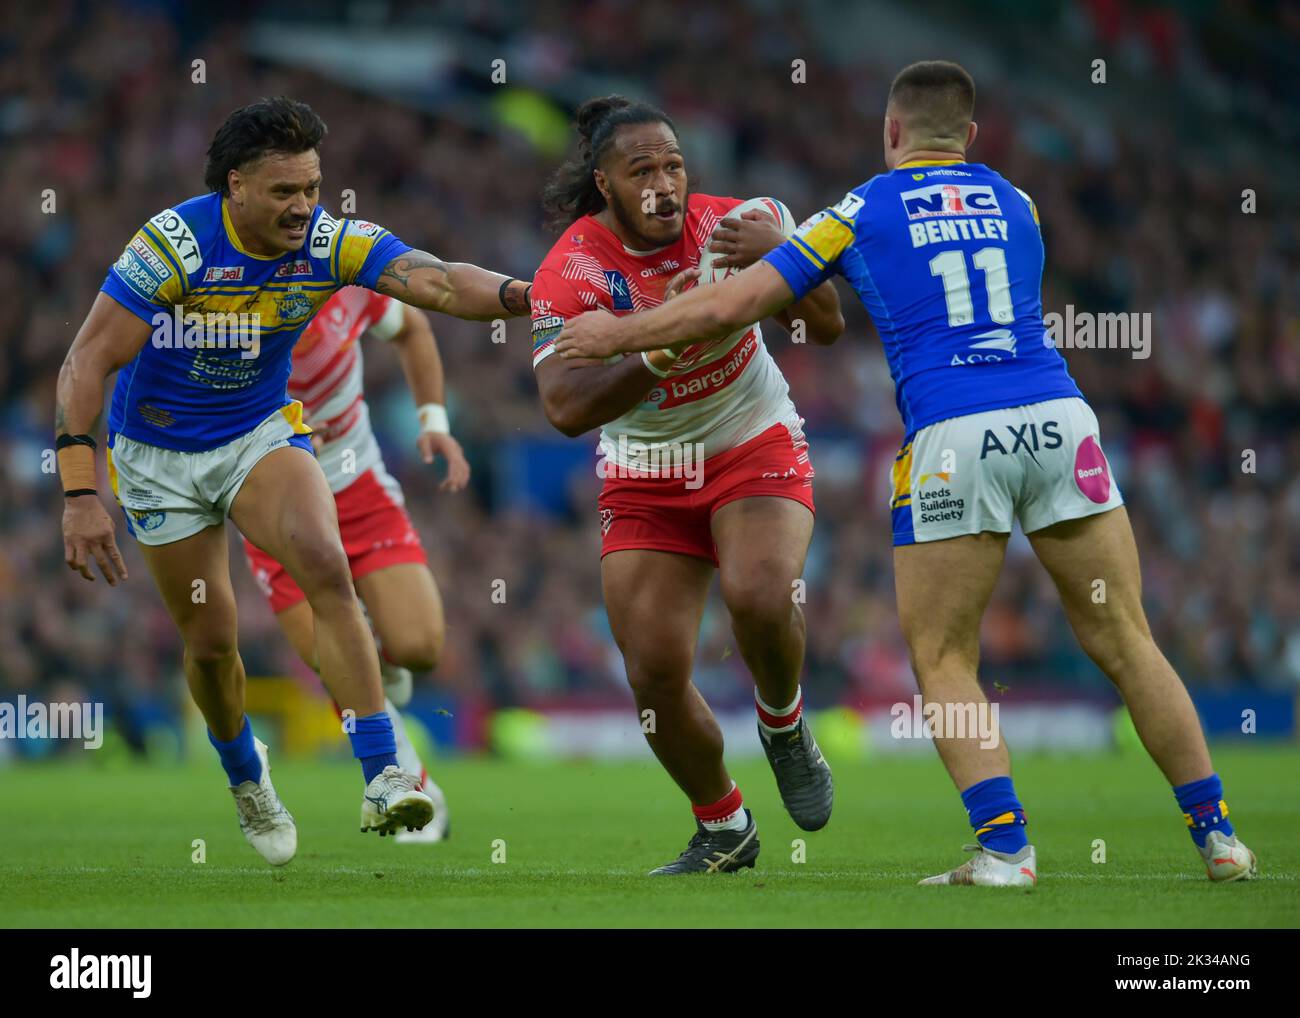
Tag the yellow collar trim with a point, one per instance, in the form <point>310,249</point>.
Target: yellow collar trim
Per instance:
<point>233,237</point>
<point>929,162</point>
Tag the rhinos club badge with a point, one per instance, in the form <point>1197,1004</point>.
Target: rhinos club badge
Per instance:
<point>148,519</point>
<point>295,305</point>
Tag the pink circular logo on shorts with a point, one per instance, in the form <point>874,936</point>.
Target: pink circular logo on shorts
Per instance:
<point>1090,471</point>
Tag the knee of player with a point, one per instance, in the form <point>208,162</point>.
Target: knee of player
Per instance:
<point>210,651</point>
<point>943,655</point>
<point>658,673</point>
<point>324,570</point>
<point>761,602</point>
<point>1119,652</point>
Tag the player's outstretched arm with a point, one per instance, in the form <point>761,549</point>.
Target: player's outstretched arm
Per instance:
<point>458,289</point>
<point>417,349</point>
<point>702,314</point>
<point>107,340</point>
<point>580,395</point>
<point>741,241</point>
<point>823,321</point>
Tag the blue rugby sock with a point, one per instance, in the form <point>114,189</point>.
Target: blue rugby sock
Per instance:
<point>996,815</point>
<point>1203,808</point>
<point>239,756</point>
<point>374,744</point>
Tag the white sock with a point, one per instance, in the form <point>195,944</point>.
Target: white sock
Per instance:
<point>736,822</point>
<point>407,758</point>
<point>397,681</point>
<point>792,708</point>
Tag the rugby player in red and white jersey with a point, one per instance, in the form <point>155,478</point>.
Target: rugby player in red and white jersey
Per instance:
<point>705,466</point>
<point>388,564</point>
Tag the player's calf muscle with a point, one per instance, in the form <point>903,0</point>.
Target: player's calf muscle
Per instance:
<point>419,651</point>
<point>299,628</point>
<point>406,609</point>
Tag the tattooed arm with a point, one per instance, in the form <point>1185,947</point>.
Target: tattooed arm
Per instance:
<point>454,288</point>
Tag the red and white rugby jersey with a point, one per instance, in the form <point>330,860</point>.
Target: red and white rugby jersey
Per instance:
<point>719,394</point>
<point>326,377</point>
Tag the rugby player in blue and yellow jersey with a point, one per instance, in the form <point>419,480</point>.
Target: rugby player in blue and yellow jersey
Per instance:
<point>948,258</point>
<point>198,317</point>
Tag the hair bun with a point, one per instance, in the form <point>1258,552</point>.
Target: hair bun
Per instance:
<point>593,111</point>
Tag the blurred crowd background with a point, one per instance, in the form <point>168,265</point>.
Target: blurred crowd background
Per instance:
<point>1139,180</point>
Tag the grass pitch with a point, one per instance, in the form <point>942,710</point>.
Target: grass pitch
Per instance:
<point>87,845</point>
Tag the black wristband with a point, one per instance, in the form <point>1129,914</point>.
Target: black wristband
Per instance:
<point>63,441</point>
<point>79,491</point>
<point>501,294</point>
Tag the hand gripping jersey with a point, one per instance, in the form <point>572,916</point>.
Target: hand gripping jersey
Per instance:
<point>225,321</point>
<point>326,378</point>
<point>948,259</point>
<point>719,395</point>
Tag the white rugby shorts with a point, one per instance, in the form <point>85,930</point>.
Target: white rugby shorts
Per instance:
<point>169,495</point>
<point>1040,464</point>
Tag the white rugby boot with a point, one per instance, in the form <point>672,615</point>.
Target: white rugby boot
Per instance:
<point>267,825</point>
<point>439,828</point>
<point>1227,859</point>
<point>409,760</point>
<point>393,800</point>
<point>992,869</point>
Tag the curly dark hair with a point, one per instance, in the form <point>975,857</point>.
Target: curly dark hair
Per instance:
<point>571,193</point>
<point>277,124</point>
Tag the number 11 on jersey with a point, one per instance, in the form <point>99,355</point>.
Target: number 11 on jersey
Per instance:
<point>992,261</point>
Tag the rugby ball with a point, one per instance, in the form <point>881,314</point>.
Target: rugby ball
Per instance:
<point>771,208</point>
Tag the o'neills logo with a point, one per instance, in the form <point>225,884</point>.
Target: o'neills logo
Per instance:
<point>670,265</point>
<point>709,379</point>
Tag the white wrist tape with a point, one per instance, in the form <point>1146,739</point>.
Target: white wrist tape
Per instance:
<point>433,417</point>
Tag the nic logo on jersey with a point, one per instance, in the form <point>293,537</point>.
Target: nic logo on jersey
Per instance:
<point>950,200</point>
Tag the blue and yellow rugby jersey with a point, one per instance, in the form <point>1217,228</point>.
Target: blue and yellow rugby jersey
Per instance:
<point>207,379</point>
<point>948,259</point>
